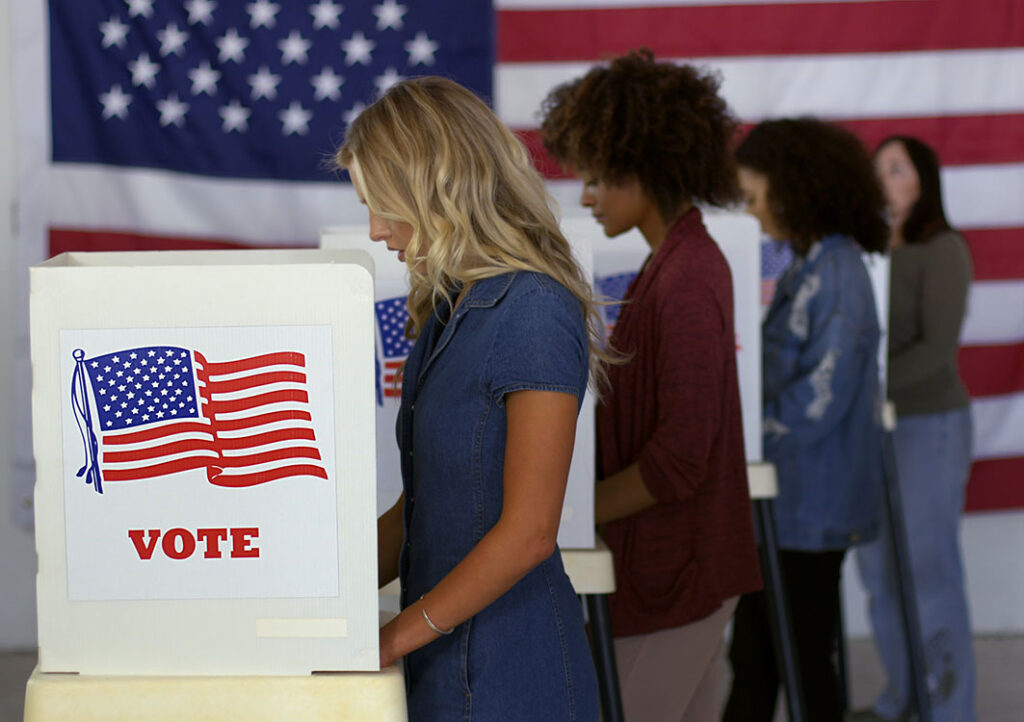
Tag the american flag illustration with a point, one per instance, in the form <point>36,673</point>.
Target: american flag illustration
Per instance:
<point>160,410</point>
<point>392,315</point>
<point>613,288</point>
<point>775,258</point>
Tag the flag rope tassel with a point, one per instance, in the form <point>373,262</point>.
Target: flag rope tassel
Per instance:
<point>80,404</point>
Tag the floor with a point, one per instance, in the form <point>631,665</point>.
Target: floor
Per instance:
<point>1000,663</point>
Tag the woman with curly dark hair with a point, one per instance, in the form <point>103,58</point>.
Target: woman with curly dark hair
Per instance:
<point>812,184</point>
<point>650,140</point>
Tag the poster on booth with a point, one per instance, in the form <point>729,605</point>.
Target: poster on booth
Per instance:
<point>576,530</point>
<point>205,469</point>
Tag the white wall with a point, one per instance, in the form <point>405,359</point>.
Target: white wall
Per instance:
<point>17,546</point>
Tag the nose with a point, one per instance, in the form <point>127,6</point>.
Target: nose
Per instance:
<point>586,197</point>
<point>378,228</point>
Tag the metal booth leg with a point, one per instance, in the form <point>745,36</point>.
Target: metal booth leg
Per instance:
<point>604,657</point>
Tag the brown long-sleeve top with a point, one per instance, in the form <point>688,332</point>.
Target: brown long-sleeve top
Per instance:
<point>927,303</point>
<point>675,410</point>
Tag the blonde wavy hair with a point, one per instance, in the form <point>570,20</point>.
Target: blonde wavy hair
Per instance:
<point>431,154</point>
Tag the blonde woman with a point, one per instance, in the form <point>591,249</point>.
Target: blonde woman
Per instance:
<point>506,337</point>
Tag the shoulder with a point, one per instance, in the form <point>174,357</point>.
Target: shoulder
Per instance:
<point>530,289</point>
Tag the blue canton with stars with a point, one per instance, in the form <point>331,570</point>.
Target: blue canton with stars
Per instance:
<point>392,315</point>
<point>244,88</point>
<point>143,386</point>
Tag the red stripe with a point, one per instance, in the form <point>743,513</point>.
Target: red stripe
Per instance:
<point>269,437</point>
<point>958,140</point>
<point>393,393</point>
<point>148,472</point>
<point>298,452</point>
<point>262,477</point>
<point>996,484</point>
<point>998,253</point>
<point>149,434</point>
<point>155,452</point>
<point>275,397</point>
<point>777,29</point>
<point>290,358</point>
<point>68,239</point>
<point>249,382</point>
<point>992,370</point>
<point>250,422</point>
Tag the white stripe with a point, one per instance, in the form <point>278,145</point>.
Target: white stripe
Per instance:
<point>266,428</point>
<point>998,421</point>
<point>863,85</point>
<point>273,212</point>
<point>263,409</point>
<point>254,449</point>
<point>153,461</point>
<point>256,391</point>
<point>995,315</point>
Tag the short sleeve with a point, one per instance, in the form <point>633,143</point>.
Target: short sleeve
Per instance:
<point>541,343</point>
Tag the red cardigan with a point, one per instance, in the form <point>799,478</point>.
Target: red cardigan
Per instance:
<point>675,409</point>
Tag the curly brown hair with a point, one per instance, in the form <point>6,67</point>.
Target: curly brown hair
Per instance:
<point>820,181</point>
<point>661,123</point>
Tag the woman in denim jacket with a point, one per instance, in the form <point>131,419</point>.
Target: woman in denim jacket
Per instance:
<point>506,334</point>
<point>813,185</point>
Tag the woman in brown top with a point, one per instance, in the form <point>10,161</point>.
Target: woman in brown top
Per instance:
<point>931,272</point>
<point>650,140</point>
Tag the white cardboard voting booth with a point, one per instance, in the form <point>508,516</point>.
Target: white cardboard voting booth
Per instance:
<point>576,530</point>
<point>205,469</point>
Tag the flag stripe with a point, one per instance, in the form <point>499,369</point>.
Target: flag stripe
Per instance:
<point>998,421</point>
<point>958,140</point>
<point>256,362</point>
<point>995,313</point>
<point>296,452</point>
<point>268,437</point>
<point>996,484</point>
<point>157,432</point>
<point>868,85</point>
<point>136,473</point>
<point>776,29</point>
<point>992,370</point>
<point>63,240</point>
<point>275,397</point>
<point>998,253</point>
<point>155,452</point>
<point>263,379</point>
<point>262,420</point>
<point>261,477</point>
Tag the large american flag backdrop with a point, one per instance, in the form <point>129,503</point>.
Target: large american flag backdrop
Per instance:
<point>199,124</point>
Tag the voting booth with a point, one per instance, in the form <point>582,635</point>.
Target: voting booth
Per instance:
<point>204,436</point>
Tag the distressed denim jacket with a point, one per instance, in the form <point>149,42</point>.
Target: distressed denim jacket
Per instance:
<point>822,425</point>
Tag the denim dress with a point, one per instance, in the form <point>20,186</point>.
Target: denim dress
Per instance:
<point>525,656</point>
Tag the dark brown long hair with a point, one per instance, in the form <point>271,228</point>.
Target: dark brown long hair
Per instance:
<point>927,216</point>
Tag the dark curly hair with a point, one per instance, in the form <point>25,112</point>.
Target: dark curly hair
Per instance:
<point>820,181</point>
<point>927,215</point>
<point>660,123</point>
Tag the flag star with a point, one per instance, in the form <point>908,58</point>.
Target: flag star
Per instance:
<point>124,404</point>
<point>204,79</point>
<point>116,359</point>
<point>235,117</point>
<point>200,11</point>
<point>152,352</point>
<point>159,414</point>
<point>115,103</point>
<point>120,373</point>
<point>421,50</point>
<point>114,32</point>
<point>232,47</point>
<point>99,378</point>
<point>357,49</point>
<point>106,407</point>
<point>122,387</point>
<point>389,15</point>
<point>295,119</point>
<point>385,81</point>
<point>145,417</point>
<point>294,48</point>
<point>328,84</point>
<point>95,364</point>
<point>117,414</point>
<point>140,7</point>
<point>172,111</point>
<point>109,423</point>
<point>174,411</point>
<point>135,410</point>
<point>264,84</point>
<point>177,361</point>
<point>131,394</point>
<point>172,40</point>
<point>128,420</point>
<point>325,14</point>
<point>143,70</point>
<point>103,392</point>
<point>133,356</point>
<point>352,113</point>
<point>127,364</point>
<point>262,13</point>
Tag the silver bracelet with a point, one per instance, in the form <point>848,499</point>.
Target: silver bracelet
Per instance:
<point>431,624</point>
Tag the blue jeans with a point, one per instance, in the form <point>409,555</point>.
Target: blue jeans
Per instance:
<point>933,460</point>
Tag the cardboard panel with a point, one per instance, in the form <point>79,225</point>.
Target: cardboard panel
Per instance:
<point>203,441</point>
